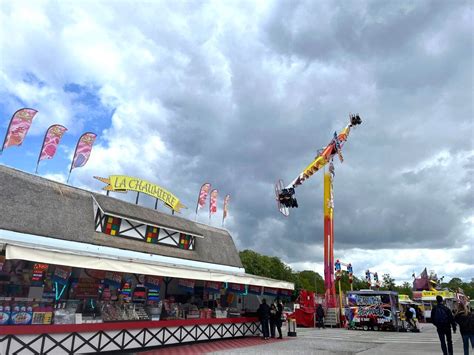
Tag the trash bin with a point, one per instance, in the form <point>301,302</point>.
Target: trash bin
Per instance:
<point>291,327</point>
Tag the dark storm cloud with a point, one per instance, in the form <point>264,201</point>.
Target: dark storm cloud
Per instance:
<point>371,58</point>
<point>246,100</point>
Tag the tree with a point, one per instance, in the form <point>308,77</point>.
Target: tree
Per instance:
<point>388,282</point>
<point>405,289</point>
<point>266,266</point>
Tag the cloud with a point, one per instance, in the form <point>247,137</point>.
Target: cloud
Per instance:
<point>242,94</point>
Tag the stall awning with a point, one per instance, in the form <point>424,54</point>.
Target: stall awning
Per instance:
<point>114,260</point>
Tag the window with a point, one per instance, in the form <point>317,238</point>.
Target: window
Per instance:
<point>111,225</point>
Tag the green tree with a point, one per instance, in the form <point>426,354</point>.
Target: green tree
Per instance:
<point>388,282</point>
<point>266,266</point>
<point>405,289</point>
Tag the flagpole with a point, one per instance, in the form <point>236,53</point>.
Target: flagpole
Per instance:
<point>41,150</point>
<point>72,162</point>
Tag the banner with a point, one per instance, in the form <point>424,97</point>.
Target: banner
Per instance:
<point>212,287</point>
<point>205,188</point>
<point>255,290</point>
<point>285,293</point>
<point>18,127</point>
<point>187,285</point>
<point>50,142</point>
<point>121,183</point>
<point>213,202</point>
<point>153,282</point>
<point>270,291</point>
<point>38,274</point>
<point>226,206</point>
<point>83,150</point>
<point>235,288</point>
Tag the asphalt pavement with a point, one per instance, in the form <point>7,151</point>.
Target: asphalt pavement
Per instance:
<point>345,342</point>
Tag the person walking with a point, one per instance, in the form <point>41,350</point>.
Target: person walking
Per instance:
<point>442,318</point>
<point>273,319</point>
<point>264,316</point>
<point>320,316</point>
<point>465,319</point>
<point>279,320</point>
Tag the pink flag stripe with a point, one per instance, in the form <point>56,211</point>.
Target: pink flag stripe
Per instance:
<point>213,202</point>
<point>51,141</point>
<point>18,127</point>
<point>203,194</point>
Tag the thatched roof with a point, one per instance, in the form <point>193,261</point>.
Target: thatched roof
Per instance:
<point>35,205</point>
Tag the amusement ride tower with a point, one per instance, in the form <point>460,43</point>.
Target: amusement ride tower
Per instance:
<point>286,200</point>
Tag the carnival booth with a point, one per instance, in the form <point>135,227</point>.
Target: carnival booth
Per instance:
<point>428,300</point>
<point>373,310</point>
<point>81,272</point>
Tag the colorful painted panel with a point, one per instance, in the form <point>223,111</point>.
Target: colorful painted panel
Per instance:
<point>111,225</point>
<point>184,241</point>
<point>152,234</point>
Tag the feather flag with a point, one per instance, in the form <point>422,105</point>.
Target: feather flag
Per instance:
<point>203,195</point>
<point>83,151</point>
<point>213,202</point>
<point>18,127</point>
<point>226,206</point>
<point>50,143</point>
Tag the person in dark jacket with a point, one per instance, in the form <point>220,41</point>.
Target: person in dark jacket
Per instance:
<point>320,316</point>
<point>279,307</point>
<point>442,318</point>
<point>264,316</point>
<point>465,319</point>
<point>273,319</point>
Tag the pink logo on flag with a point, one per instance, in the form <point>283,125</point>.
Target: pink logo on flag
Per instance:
<point>226,206</point>
<point>51,141</point>
<point>203,194</point>
<point>19,126</point>
<point>213,203</point>
<point>83,150</point>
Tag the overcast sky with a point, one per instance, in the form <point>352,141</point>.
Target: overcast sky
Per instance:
<point>242,93</point>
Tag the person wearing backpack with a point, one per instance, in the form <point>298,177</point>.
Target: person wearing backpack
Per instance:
<point>442,318</point>
<point>465,319</point>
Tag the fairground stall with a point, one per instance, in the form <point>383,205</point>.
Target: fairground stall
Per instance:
<point>81,272</point>
<point>428,300</point>
<point>372,310</point>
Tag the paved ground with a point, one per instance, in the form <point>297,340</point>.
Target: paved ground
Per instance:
<point>345,342</point>
<point>324,342</point>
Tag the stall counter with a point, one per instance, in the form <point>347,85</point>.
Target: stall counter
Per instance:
<point>119,336</point>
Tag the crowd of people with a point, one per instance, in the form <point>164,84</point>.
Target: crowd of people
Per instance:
<point>271,318</point>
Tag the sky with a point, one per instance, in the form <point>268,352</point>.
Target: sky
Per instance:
<point>243,93</point>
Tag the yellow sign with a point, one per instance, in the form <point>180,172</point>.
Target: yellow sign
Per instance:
<point>444,294</point>
<point>403,298</point>
<point>121,183</point>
